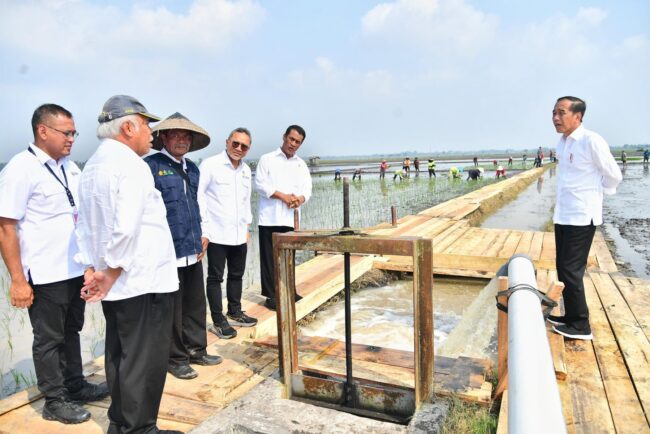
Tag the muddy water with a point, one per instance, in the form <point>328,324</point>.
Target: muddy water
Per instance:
<point>384,316</point>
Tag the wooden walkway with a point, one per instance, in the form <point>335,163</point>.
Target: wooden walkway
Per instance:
<point>604,384</point>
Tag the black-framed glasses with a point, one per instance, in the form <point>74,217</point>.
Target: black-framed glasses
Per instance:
<point>69,134</point>
<point>236,145</point>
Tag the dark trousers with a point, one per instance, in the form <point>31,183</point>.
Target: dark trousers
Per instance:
<point>267,268</point>
<point>138,331</point>
<point>432,172</point>
<point>57,317</point>
<point>218,256</point>
<point>572,245</point>
<point>188,327</point>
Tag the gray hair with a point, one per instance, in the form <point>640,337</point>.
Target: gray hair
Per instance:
<point>112,129</point>
<point>241,130</point>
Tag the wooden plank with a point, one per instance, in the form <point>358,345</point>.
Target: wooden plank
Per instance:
<point>497,245</point>
<point>460,245</point>
<point>591,412</point>
<point>502,424</point>
<point>442,241</point>
<point>510,244</point>
<point>623,402</point>
<point>637,296</point>
<point>556,343</point>
<point>631,339</point>
<point>567,406</point>
<point>524,242</point>
<point>536,246</point>
<point>548,247</point>
<point>600,255</point>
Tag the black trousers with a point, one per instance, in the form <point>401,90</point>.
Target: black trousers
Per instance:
<point>267,267</point>
<point>572,245</point>
<point>188,327</point>
<point>57,317</point>
<point>138,331</point>
<point>432,172</point>
<point>218,256</point>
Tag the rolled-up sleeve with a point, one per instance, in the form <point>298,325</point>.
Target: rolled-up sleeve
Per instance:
<point>263,182</point>
<point>606,164</point>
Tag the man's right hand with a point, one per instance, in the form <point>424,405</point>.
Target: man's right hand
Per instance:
<point>22,294</point>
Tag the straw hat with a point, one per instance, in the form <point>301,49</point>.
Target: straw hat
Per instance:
<point>200,137</point>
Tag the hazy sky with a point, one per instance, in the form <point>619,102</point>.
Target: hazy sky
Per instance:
<point>360,76</point>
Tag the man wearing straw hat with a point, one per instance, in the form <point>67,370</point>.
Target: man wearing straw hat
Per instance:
<point>127,247</point>
<point>177,178</point>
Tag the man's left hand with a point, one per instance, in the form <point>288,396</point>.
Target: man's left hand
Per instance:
<point>204,246</point>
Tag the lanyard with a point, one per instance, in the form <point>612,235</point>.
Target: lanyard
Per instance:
<point>65,186</point>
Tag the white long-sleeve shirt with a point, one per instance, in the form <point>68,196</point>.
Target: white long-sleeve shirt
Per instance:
<point>32,196</point>
<point>225,200</point>
<point>276,172</point>
<point>587,169</point>
<point>122,223</point>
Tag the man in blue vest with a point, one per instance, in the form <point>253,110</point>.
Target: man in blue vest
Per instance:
<point>177,178</point>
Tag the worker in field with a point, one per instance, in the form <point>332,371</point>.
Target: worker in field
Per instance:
<point>431,167</point>
<point>524,157</point>
<point>475,160</point>
<point>587,170</point>
<point>399,173</point>
<point>357,174</point>
<point>454,173</point>
<point>337,174</point>
<point>416,165</point>
<point>624,157</point>
<point>510,161</point>
<point>383,167</point>
<point>646,156</point>
<point>501,172</point>
<point>39,203</point>
<point>475,174</point>
<point>406,166</point>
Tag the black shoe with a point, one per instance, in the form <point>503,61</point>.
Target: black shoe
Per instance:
<point>205,360</point>
<point>183,372</point>
<point>222,329</point>
<point>242,320</point>
<point>574,333</point>
<point>65,412</point>
<point>270,303</point>
<point>88,392</point>
<point>556,320</point>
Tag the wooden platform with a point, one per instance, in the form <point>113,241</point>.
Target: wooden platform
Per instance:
<point>604,384</point>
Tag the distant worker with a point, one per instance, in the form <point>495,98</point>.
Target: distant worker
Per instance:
<point>475,174</point>
<point>431,167</point>
<point>416,165</point>
<point>501,172</point>
<point>383,167</point>
<point>624,157</point>
<point>399,173</point>
<point>590,171</point>
<point>475,159</point>
<point>495,163</point>
<point>551,156</point>
<point>510,161</point>
<point>357,174</point>
<point>646,156</point>
<point>523,160</point>
<point>454,173</point>
<point>406,166</point>
<point>337,174</point>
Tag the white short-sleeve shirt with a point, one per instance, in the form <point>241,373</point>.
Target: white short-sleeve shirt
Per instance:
<point>30,194</point>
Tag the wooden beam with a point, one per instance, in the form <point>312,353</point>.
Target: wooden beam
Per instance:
<point>502,341</point>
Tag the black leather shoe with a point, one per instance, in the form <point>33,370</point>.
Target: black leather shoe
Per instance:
<point>270,303</point>
<point>556,320</point>
<point>222,329</point>
<point>183,372</point>
<point>206,360</point>
<point>65,412</point>
<point>88,392</point>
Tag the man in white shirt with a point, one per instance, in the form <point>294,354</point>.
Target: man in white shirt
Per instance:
<point>225,201</point>
<point>177,179</point>
<point>283,182</point>
<point>587,169</point>
<point>38,212</point>
<point>125,241</point>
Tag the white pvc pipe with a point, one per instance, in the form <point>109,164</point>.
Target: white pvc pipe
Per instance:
<point>533,396</point>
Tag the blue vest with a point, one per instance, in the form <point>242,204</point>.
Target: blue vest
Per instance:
<point>182,206</point>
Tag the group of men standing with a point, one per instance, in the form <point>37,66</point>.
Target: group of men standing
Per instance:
<point>132,232</point>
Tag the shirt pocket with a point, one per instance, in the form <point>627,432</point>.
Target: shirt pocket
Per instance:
<point>50,198</point>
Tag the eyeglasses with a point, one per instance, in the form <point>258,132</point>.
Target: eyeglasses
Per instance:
<point>236,145</point>
<point>69,134</point>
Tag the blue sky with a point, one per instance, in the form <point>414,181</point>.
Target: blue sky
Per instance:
<point>362,77</point>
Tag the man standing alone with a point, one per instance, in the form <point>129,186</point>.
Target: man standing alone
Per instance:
<point>283,182</point>
<point>587,169</point>
<point>177,179</point>
<point>38,214</point>
<point>225,200</point>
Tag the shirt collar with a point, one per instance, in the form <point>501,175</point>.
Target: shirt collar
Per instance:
<point>578,133</point>
<point>225,160</point>
<point>181,161</point>
<point>279,152</point>
<point>43,157</point>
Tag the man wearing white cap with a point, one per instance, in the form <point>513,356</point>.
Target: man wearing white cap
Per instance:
<point>177,179</point>
<point>126,244</point>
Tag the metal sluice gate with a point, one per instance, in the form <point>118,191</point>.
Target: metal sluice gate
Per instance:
<point>354,395</point>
